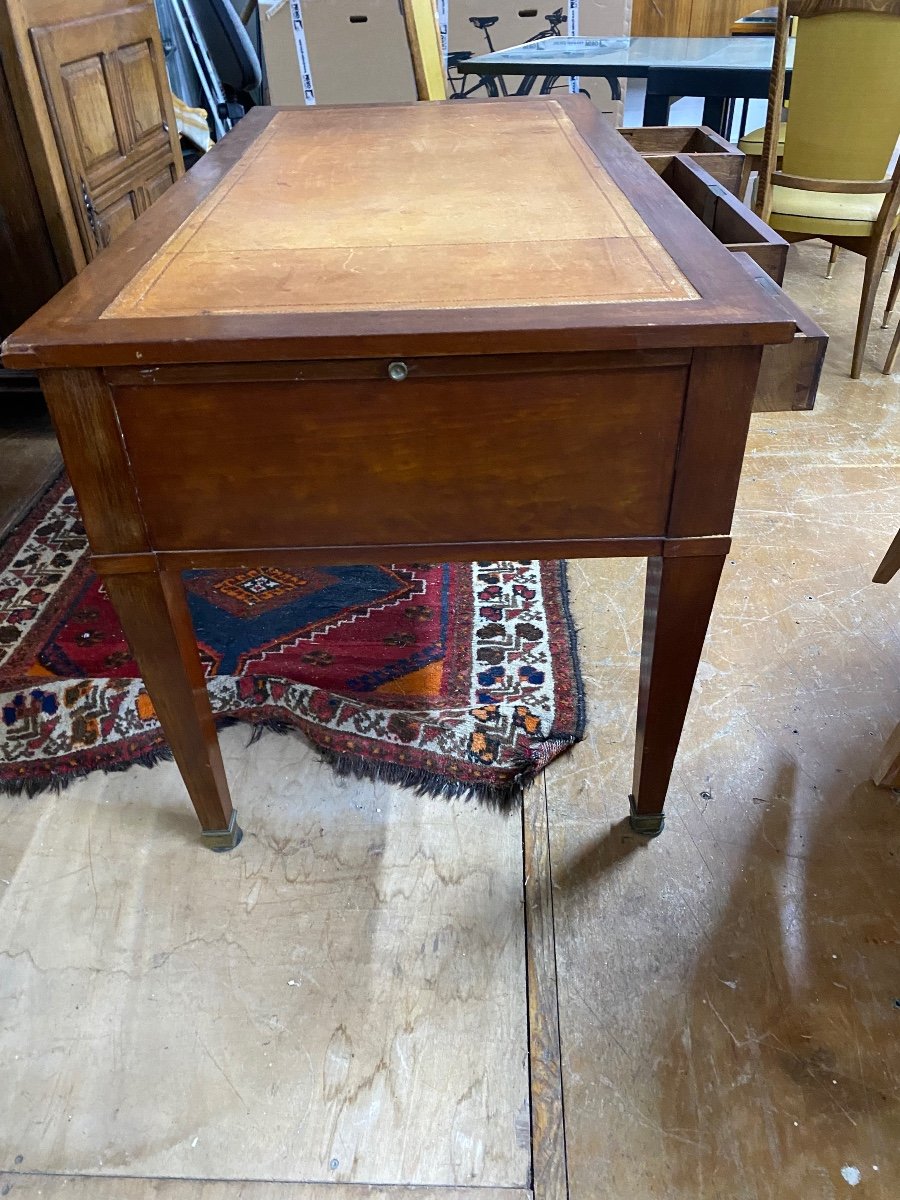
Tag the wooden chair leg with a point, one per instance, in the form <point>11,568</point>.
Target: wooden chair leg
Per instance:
<point>892,296</point>
<point>833,257</point>
<point>892,241</point>
<point>887,772</point>
<point>871,279</point>
<point>677,607</point>
<point>892,353</point>
<point>154,614</point>
<point>890,564</point>
<point>748,166</point>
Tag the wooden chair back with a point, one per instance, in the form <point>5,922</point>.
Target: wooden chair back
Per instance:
<point>424,37</point>
<point>845,98</point>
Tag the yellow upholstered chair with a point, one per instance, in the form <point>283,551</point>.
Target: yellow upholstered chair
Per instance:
<point>751,146</point>
<point>840,139</point>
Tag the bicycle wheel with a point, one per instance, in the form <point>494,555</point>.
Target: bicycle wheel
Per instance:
<point>486,82</point>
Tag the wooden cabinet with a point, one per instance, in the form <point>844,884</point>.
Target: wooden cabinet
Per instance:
<point>109,106</point>
<point>29,275</point>
<point>89,104</point>
<point>688,18</point>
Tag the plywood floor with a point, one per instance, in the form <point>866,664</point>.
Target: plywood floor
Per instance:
<point>341,1003</point>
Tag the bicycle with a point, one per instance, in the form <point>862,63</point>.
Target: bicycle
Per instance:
<point>495,85</point>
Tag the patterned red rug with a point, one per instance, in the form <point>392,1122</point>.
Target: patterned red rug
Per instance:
<point>457,679</point>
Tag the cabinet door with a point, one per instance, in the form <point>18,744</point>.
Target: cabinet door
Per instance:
<point>107,95</point>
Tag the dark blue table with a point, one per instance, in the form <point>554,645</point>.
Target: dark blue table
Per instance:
<point>718,69</point>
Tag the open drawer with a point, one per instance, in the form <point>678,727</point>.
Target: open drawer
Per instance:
<point>789,374</point>
<point>704,147</point>
<point>732,222</point>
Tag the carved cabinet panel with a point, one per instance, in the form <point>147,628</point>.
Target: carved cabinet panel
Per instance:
<point>106,93</point>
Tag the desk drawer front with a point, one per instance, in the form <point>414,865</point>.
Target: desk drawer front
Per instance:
<point>362,461</point>
<point>788,374</point>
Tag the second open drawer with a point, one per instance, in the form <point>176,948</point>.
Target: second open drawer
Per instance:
<point>705,147</point>
<point>735,225</point>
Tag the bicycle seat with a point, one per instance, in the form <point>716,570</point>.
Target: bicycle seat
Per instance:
<point>484,22</point>
<point>556,18</point>
<point>458,56</point>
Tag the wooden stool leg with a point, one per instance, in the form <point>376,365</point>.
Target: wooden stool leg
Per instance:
<point>832,260</point>
<point>154,614</point>
<point>677,606</point>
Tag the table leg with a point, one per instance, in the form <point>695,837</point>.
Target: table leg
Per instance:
<point>678,603</point>
<point>656,108</point>
<point>153,609</point>
<point>715,109</point>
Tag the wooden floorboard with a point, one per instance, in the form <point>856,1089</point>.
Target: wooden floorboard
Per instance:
<point>94,1187</point>
<point>548,1138</point>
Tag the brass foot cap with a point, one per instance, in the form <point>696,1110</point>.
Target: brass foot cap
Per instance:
<point>648,824</point>
<point>221,840</point>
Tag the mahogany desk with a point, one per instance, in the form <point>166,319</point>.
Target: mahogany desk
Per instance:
<point>297,352</point>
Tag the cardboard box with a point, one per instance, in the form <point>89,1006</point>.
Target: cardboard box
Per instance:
<point>357,49</point>
<point>358,54</point>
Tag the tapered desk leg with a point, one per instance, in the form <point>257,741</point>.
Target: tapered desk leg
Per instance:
<point>154,613</point>
<point>677,607</point>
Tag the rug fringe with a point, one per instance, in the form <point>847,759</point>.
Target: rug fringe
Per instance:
<point>574,636</point>
<point>504,797</point>
<point>55,784</point>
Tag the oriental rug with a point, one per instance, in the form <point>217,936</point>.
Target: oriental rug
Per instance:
<point>456,679</point>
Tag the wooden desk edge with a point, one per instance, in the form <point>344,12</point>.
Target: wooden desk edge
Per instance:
<point>731,310</point>
<point>286,556</point>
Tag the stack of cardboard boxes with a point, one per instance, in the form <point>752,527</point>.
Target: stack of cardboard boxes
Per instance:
<point>355,51</point>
